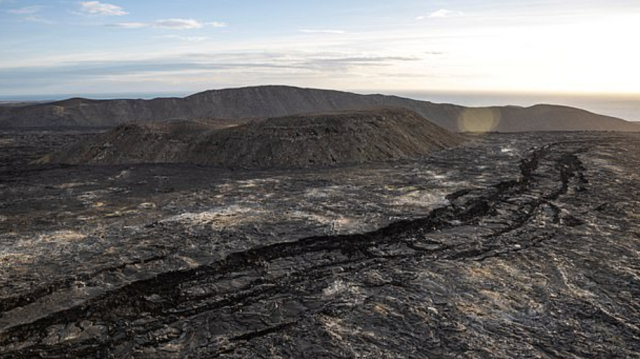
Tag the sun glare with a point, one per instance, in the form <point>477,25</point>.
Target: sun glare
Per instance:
<point>599,56</point>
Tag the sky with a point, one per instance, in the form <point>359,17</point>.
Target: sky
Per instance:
<point>170,46</point>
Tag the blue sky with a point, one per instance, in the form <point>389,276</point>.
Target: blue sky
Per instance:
<point>161,46</point>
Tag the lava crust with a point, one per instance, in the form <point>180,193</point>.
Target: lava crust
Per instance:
<point>287,142</point>
<point>522,246</point>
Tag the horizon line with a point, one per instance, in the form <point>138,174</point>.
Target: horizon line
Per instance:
<point>391,92</point>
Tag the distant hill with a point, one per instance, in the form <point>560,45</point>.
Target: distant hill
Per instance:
<point>285,142</point>
<point>243,104</point>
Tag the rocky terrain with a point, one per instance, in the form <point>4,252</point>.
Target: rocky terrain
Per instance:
<point>285,142</point>
<point>508,246</point>
<point>243,104</point>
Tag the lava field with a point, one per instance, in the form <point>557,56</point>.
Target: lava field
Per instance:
<point>508,246</point>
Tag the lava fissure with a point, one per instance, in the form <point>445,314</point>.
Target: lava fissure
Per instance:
<point>166,298</point>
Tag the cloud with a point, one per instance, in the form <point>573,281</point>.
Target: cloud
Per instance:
<point>26,10</point>
<point>197,68</point>
<point>130,25</point>
<point>30,13</point>
<point>175,24</point>
<point>440,14</point>
<point>344,63</point>
<point>98,8</point>
<point>186,38</point>
<point>39,19</point>
<point>179,24</point>
<point>217,24</point>
<point>196,63</point>
<point>309,31</point>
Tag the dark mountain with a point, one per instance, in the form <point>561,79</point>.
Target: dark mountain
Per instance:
<point>244,104</point>
<point>285,142</point>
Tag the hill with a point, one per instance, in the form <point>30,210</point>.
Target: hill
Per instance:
<point>284,142</point>
<point>244,104</point>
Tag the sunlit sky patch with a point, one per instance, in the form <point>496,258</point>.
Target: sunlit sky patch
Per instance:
<point>572,46</point>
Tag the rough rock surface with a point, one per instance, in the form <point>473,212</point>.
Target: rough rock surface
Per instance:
<point>287,142</point>
<point>243,104</point>
<point>510,246</point>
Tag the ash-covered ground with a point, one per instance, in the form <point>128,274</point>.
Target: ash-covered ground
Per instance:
<point>509,246</point>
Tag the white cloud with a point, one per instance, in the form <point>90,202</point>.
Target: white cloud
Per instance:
<point>175,24</point>
<point>309,31</point>
<point>440,14</point>
<point>31,13</point>
<point>179,24</point>
<point>217,24</point>
<point>130,25</point>
<point>26,10</point>
<point>186,38</point>
<point>98,8</point>
<point>39,19</point>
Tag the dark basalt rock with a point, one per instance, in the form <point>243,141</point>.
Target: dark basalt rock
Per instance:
<point>529,249</point>
<point>288,142</point>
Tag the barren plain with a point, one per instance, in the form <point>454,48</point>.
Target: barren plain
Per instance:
<point>508,246</point>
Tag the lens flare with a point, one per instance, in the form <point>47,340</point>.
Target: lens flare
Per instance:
<point>479,120</point>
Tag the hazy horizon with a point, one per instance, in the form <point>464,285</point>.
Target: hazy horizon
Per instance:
<point>68,47</point>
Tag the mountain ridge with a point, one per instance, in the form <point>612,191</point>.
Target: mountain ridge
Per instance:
<point>247,103</point>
